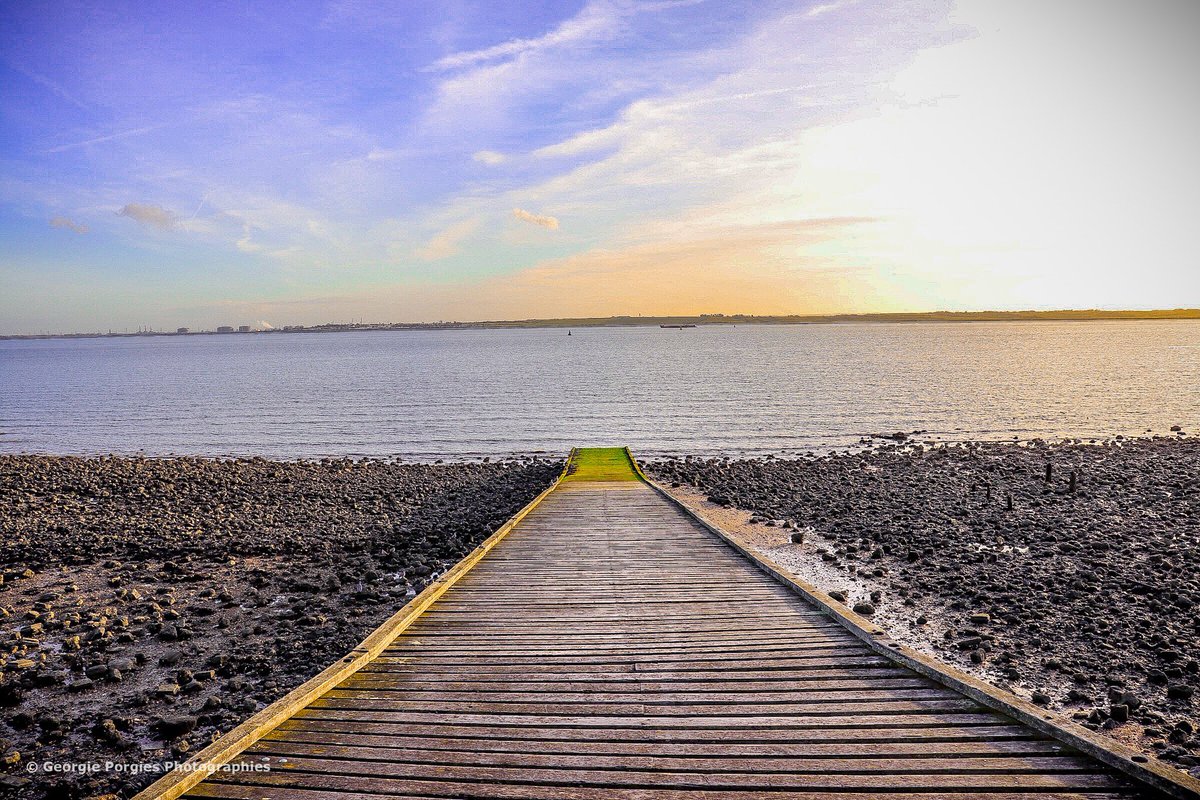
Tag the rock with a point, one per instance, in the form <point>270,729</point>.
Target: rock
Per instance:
<point>106,730</point>
<point>980,619</point>
<point>1119,712</point>
<point>174,726</point>
<point>1180,691</point>
<point>80,685</point>
<point>838,595</point>
<point>1040,698</point>
<point>865,609</point>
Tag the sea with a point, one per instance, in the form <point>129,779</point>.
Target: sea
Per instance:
<point>744,390</point>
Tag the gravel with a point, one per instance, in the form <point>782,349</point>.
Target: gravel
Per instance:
<point>149,605</point>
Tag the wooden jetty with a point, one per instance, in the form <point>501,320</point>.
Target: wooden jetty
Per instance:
<point>608,644</point>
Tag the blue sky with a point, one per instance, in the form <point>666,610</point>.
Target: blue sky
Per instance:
<point>201,164</point>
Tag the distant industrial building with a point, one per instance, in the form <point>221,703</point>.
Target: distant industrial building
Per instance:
<point>243,329</point>
<point>225,329</point>
<point>181,330</point>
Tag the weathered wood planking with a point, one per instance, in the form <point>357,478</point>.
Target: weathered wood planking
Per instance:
<point>611,647</point>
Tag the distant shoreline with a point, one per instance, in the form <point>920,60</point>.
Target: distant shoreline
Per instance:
<point>1088,315</point>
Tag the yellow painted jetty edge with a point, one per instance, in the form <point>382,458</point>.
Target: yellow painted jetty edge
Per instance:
<point>229,746</point>
<point>1145,769</point>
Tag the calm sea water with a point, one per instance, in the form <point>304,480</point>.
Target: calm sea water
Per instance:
<point>714,390</point>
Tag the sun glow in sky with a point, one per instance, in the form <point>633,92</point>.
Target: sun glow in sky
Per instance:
<point>205,164</point>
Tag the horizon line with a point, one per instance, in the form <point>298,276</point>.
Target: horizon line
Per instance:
<point>629,320</point>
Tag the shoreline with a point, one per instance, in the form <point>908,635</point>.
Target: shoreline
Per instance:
<point>1001,595</point>
<point>852,444</point>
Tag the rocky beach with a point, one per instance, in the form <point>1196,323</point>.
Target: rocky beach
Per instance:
<point>148,605</point>
<point>1068,573</point>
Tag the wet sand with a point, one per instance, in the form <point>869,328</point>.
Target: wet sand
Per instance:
<point>1084,601</point>
<point>148,605</point>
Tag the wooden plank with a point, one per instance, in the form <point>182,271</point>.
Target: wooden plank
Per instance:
<point>795,721</point>
<point>474,791</point>
<point>986,731</point>
<point>911,764</point>
<point>358,775</point>
<point>691,749</point>
<point>657,689</point>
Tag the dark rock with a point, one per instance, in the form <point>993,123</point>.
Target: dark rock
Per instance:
<point>1180,691</point>
<point>174,726</point>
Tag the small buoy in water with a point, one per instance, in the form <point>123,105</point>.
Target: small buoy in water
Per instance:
<point>568,333</point>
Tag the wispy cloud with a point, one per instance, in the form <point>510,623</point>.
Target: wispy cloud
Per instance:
<point>596,20</point>
<point>53,86</point>
<point>146,214</point>
<point>489,157</point>
<point>448,242</point>
<point>106,138</point>
<point>68,224</point>
<point>540,220</point>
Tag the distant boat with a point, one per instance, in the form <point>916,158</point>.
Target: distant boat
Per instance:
<point>677,327</point>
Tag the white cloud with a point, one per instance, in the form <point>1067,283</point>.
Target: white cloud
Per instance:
<point>490,157</point>
<point>597,20</point>
<point>68,224</point>
<point>447,242</point>
<point>382,154</point>
<point>154,216</point>
<point>246,243</point>
<point>536,219</point>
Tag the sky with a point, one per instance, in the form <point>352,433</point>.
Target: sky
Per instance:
<point>179,164</point>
